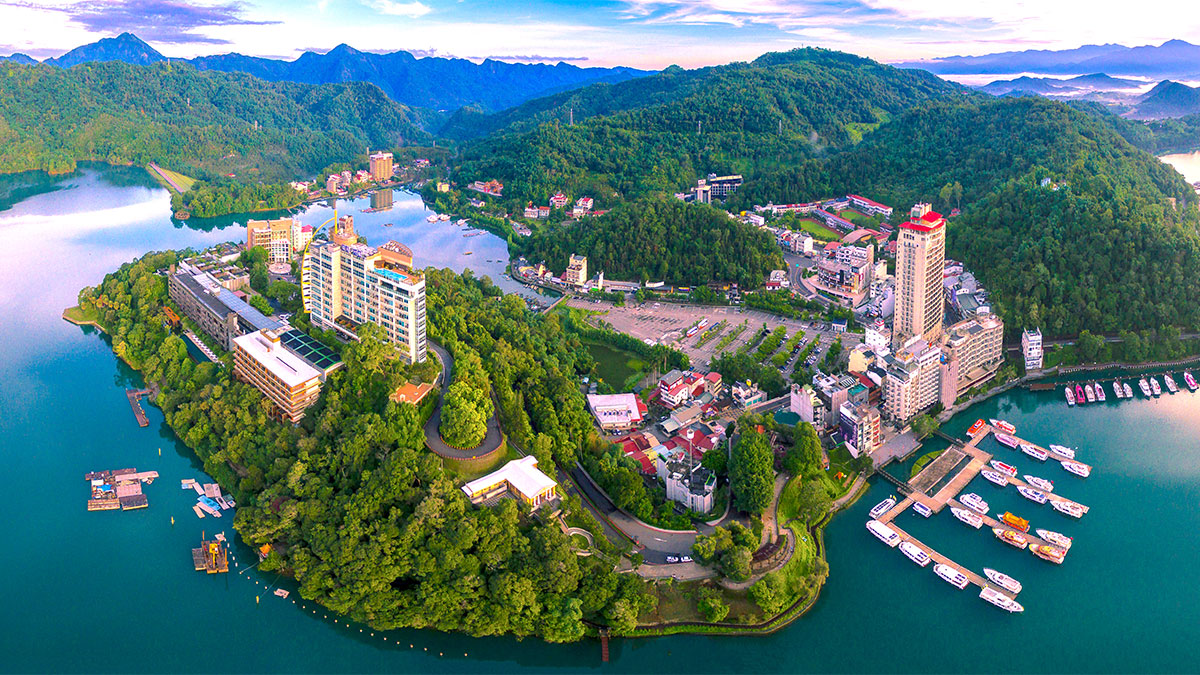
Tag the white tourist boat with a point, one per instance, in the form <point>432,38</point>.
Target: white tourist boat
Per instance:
<point>1040,483</point>
<point>1189,380</point>
<point>922,509</point>
<point>1068,508</point>
<point>884,533</point>
<point>1056,538</point>
<point>1003,426</point>
<point>967,517</point>
<point>974,502</point>
<point>993,477</point>
<point>1099,389</point>
<point>1034,452</point>
<point>1007,469</point>
<point>1128,390</point>
<point>1070,397</point>
<point>883,507</point>
<point>1007,440</point>
<point>1011,537</point>
<point>1170,382</point>
<point>1002,580</point>
<point>1120,393</point>
<point>1063,450</point>
<point>1145,387</point>
<point>1081,470</point>
<point>431,218</point>
<point>1032,495</point>
<point>1154,387</point>
<point>914,553</point>
<point>1091,395</point>
<point>951,576</point>
<point>1001,600</point>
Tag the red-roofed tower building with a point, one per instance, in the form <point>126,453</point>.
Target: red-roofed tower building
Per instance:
<point>920,258</point>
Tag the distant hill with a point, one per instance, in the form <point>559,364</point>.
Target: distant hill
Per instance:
<point>23,59</point>
<point>1103,82</point>
<point>1167,99</point>
<point>1172,59</point>
<point>1027,85</point>
<point>432,82</point>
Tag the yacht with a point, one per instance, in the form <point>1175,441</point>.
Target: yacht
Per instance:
<point>922,509</point>
<point>1060,540</point>
<point>884,533</point>
<point>431,218</point>
<point>1145,387</point>
<point>444,217</point>
<point>976,428</point>
<point>969,517</point>
<point>1170,381</point>
<point>1068,508</point>
<point>1006,440</point>
<point>1001,600</point>
<point>1128,390</point>
<point>883,507</point>
<point>1002,580</point>
<point>1014,521</point>
<point>951,576</point>
<point>1070,397</point>
<point>1003,426</point>
<point>1032,495</point>
<point>1189,380</point>
<point>1081,470</point>
<point>1034,452</point>
<point>1154,387</point>
<point>1003,468</point>
<point>1099,389</point>
<point>1052,554</point>
<point>1091,395</point>
<point>914,553</point>
<point>1011,537</point>
<point>974,502</point>
<point>993,477</point>
<point>1079,397</point>
<point>1040,483</point>
<point>1063,450</point>
<point>1120,393</point>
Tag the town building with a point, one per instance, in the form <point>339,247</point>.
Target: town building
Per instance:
<point>261,360</point>
<point>577,272</point>
<point>778,279</point>
<point>869,207</point>
<point>411,393</point>
<point>720,187</point>
<point>688,482</point>
<point>920,260</point>
<point>973,351</point>
<point>913,382</point>
<point>218,312</point>
<point>492,187</point>
<point>519,478</point>
<point>803,401</point>
<point>617,412</point>
<point>531,211</point>
<point>349,284</point>
<point>583,206</point>
<point>860,428</point>
<point>333,182</point>
<point>558,200</point>
<point>1031,348</point>
<point>745,394</point>
<point>229,276</point>
<point>850,283</point>
<point>283,238</point>
<point>381,166</point>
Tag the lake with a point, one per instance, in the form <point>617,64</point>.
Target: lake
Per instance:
<point>1186,163</point>
<point>115,591</point>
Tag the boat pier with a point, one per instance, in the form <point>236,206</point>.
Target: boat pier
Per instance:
<point>977,579</point>
<point>135,402</point>
<point>119,489</point>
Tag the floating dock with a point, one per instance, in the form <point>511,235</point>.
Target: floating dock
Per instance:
<point>119,489</point>
<point>135,402</point>
<point>212,557</point>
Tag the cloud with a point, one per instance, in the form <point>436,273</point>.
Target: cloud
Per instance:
<point>411,10</point>
<point>163,21</point>
<point>529,58</point>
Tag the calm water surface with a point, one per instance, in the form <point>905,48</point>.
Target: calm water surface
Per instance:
<point>1186,163</point>
<point>107,592</point>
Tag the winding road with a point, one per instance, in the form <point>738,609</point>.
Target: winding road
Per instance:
<point>434,439</point>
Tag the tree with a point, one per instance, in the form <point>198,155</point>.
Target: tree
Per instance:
<point>752,471</point>
<point>712,607</point>
<point>716,460</point>
<point>770,593</point>
<point>1089,345</point>
<point>923,425</point>
<point>813,502</point>
<point>464,423</point>
<point>260,303</point>
<point>805,454</point>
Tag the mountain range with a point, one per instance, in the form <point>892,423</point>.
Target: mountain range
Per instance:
<point>431,82</point>
<point>1175,59</point>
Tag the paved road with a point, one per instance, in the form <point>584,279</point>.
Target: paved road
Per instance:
<point>433,439</point>
<point>657,545</point>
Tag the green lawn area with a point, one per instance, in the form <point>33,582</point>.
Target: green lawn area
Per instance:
<point>923,461</point>
<point>619,369</point>
<point>818,230</point>
<point>677,602</point>
<point>79,315</point>
<point>860,219</point>
<point>183,181</point>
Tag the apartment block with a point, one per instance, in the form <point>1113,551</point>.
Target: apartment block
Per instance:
<point>860,427</point>
<point>219,313</point>
<point>577,272</point>
<point>261,360</point>
<point>381,166</point>
<point>913,380</point>
<point>283,239</point>
<point>1031,348</point>
<point>973,351</point>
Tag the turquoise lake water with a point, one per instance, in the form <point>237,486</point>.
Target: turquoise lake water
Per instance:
<point>113,591</point>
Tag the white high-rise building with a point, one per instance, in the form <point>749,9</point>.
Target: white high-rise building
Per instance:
<point>1031,347</point>
<point>920,260</point>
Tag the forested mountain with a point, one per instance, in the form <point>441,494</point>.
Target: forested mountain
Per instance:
<point>203,124</point>
<point>1167,99</point>
<point>431,82</point>
<point>1173,58</point>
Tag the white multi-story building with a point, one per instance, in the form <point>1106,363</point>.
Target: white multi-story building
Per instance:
<point>920,261</point>
<point>913,381</point>
<point>1031,347</point>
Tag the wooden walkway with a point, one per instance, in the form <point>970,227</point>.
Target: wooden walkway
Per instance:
<point>135,402</point>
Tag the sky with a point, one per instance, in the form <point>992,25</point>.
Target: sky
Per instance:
<point>641,33</point>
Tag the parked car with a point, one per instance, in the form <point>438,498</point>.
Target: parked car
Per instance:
<point>672,559</point>
<point>686,558</point>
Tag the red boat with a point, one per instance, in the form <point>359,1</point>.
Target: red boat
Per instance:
<point>975,428</point>
<point>1007,469</point>
<point>1079,397</point>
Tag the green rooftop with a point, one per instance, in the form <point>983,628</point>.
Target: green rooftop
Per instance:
<point>308,348</point>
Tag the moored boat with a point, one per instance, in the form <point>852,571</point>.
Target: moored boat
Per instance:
<point>976,428</point>
<point>1007,469</point>
<point>1002,580</point>
<point>1070,397</point>
<point>1189,380</point>
<point>1006,440</point>
<point>1120,394</point>
<point>922,509</point>
<point>914,553</point>
<point>1128,390</point>
<point>1032,495</point>
<point>431,218</point>
<point>993,477</point>
<point>1145,387</point>
<point>1091,395</point>
<point>1058,539</point>
<point>1081,470</point>
<point>1034,452</point>
<point>1001,600</point>
<point>1040,483</point>
<point>1004,426</point>
<point>883,507</point>
<point>1068,508</point>
<point>1011,537</point>
<point>967,517</point>
<point>1099,389</point>
<point>884,533</point>
<point>1079,397</point>
<point>951,576</point>
<point>1154,387</point>
<point>1063,450</point>
<point>1015,521</point>
<point>1170,381</point>
<point>1052,554</point>
<point>974,502</point>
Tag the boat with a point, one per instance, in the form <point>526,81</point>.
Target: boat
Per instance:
<point>967,517</point>
<point>1003,468</point>
<point>1145,387</point>
<point>1015,521</point>
<point>993,477</point>
<point>222,503</point>
<point>1052,554</point>
<point>230,502</point>
<point>1004,426</point>
<point>1063,450</point>
<point>1011,537</point>
<point>914,553</point>
<point>431,218</point>
<point>280,593</point>
<point>951,576</point>
<point>976,428</point>
<point>1002,580</point>
<point>1001,600</point>
<point>883,533</point>
<point>1032,495</point>
<point>883,507</point>
<point>974,502</point>
<point>1079,397</point>
<point>1060,540</point>
<point>444,217</point>
<point>1091,395</point>
<point>1170,381</point>
<point>461,221</point>
<point>1040,483</point>
<point>1070,397</point>
<point>1100,397</point>
<point>1034,452</point>
<point>1068,508</point>
<point>1189,380</point>
<point>1006,440</point>
<point>922,509</point>
<point>1128,390</point>
<point>1081,470</point>
<point>1154,387</point>
<point>385,225</point>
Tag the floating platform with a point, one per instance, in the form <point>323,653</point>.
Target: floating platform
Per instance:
<point>135,402</point>
<point>212,557</point>
<point>196,508</point>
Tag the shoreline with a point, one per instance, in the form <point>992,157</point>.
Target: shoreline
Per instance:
<point>66,315</point>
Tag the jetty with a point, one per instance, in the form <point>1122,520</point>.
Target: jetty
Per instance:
<point>135,402</point>
<point>118,489</point>
<point>212,556</point>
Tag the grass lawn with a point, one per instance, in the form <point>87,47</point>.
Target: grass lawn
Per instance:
<point>923,461</point>
<point>860,219</point>
<point>183,181</point>
<point>818,230</point>
<point>615,366</point>
<point>677,602</point>
<point>79,315</point>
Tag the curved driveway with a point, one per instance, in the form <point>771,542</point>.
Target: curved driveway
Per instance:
<point>433,439</point>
